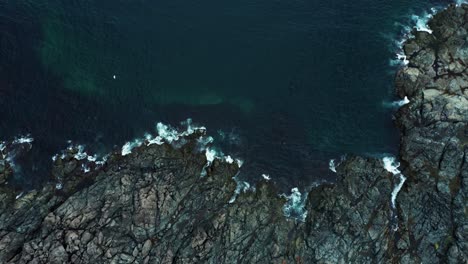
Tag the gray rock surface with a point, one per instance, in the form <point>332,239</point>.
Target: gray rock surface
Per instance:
<point>435,139</point>
<point>152,206</point>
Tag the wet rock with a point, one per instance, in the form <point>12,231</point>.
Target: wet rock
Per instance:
<point>431,148</point>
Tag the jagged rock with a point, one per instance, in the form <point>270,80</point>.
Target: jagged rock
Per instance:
<point>434,147</point>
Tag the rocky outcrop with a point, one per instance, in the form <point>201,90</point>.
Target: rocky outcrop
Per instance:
<point>155,206</point>
<point>434,144</point>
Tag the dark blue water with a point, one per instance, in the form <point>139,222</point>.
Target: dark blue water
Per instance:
<point>284,85</point>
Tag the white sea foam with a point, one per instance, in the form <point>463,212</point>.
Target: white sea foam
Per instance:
<point>332,166</point>
<point>401,57</point>
<point>402,102</point>
<point>418,22</point>
<point>81,154</point>
<point>228,159</point>
<point>150,140</point>
<point>2,145</point>
<point>92,158</point>
<point>78,153</point>
<point>23,139</point>
<point>397,189</point>
<point>204,141</point>
<point>190,128</point>
<point>170,135</point>
<point>10,154</point>
<point>397,104</point>
<point>129,146</point>
<point>210,155</point>
<point>421,21</point>
<point>295,205</point>
<point>102,161</point>
<point>391,165</point>
<point>165,134</point>
<point>460,2</point>
<point>2,148</point>
<point>242,186</point>
<point>85,168</point>
<point>19,195</point>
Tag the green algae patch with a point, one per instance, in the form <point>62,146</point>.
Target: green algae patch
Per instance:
<point>62,52</point>
<point>87,65</point>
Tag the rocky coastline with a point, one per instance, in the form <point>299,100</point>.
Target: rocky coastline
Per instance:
<point>165,202</point>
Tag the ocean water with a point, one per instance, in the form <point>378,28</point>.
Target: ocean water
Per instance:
<point>283,85</point>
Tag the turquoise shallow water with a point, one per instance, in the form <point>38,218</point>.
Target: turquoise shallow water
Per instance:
<point>284,85</point>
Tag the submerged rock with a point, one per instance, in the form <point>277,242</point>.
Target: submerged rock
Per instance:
<point>151,205</point>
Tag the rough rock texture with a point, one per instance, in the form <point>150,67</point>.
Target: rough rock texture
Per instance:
<point>152,206</point>
<point>434,145</point>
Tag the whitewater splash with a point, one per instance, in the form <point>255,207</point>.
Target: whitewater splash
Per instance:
<point>129,146</point>
<point>165,134</point>
<point>295,205</point>
<point>418,23</point>
<point>86,162</point>
<point>402,102</point>
<point>242,187</point>
<point>19,195</point>
<point>9,152</point>
<point>176,138</point>
<point>396,104</point>
<point>391,165</point>
<point>333,163</point>
<point>78,153</point>
<point>18,146</point>
<point>212,154</point>
<point>2,148</point>
<point>332,166</point>
<point>23,140</point>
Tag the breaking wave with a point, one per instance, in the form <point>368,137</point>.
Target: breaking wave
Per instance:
<point>391,165</point>
<point>242,186</point>
<point>396,104</point>
<point>418,22</point>
<point>415,22</point>
<point>86,162</point>
<point>295,205</point>
<point>10,151</point>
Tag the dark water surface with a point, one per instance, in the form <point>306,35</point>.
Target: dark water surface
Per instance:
<point>284,85</point>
